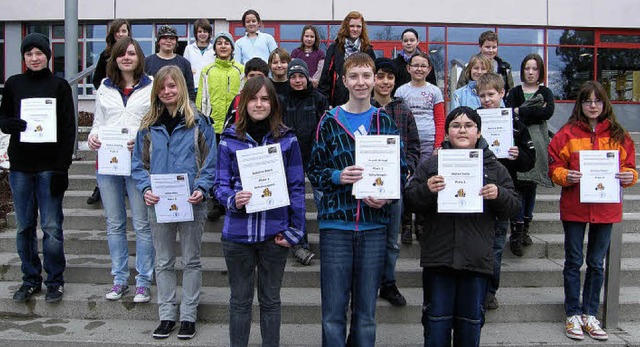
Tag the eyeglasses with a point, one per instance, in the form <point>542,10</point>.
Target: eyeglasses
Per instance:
<point>596,102</point>
<point>458,126</point>
<point>417,66</point>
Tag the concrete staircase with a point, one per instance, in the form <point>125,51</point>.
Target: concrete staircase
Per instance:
<point>531,298</point>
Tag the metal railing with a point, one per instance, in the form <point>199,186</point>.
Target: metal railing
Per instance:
<point>73,81</point>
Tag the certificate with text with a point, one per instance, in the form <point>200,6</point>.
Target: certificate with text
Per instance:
<point>463,172</point>
<point>379,155</point>
<point>262,173</point>
<point>40,115</point>
<point>598,183</point>
<point>113,156</point>
<point>173,190</point>
<point>497,129</point>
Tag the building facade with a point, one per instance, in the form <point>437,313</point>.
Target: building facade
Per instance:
<point>579,41</point>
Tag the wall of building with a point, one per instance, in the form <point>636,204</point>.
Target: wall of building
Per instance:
<point>583,13</point>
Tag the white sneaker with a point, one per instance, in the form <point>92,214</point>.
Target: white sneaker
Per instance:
<point>573,328</point>
<point>143,294</point>
<point>592,326</point>
<point>117,291</point>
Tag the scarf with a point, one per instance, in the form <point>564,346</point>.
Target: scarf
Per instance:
<point>351,47</point>
<point>257,130</point>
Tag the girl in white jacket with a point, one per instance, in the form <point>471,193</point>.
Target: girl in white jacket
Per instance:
<point>121,101</point>
<point>200,53</point>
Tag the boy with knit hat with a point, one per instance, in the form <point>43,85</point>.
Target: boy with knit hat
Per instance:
<point>302,108</point>
<point>385,76</point>
<point>39,170</point>
<point>167,41</point>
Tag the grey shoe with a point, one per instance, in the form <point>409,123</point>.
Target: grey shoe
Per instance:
<point>303,255</point>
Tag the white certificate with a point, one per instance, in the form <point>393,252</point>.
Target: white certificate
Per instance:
<point>497,129</point>
<point>40,115</point>
<point>113,156</point>
<point>262,173</point>
<point>173,190</point>
<point>598,183</point>
<point>379,155</point>
<point>462,171</point>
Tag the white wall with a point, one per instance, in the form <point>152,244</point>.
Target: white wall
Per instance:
<point>579,13</point>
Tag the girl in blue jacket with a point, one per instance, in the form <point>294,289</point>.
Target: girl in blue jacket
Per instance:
<point>261,239</point>
<point>174,138</point>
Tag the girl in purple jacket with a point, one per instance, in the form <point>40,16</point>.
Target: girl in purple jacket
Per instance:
<point>258,242</point>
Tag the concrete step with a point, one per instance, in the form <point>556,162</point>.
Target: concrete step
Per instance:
<point>299,305</point>
<point>94,219</point>
<point>50,332</point>
<point>92,268</point>
<point>551,203</point>
<point>83,167</point>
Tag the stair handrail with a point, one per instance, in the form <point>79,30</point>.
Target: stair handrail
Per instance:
<point>73,82</point>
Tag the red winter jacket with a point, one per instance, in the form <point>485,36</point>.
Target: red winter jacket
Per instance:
<point>564,156</point>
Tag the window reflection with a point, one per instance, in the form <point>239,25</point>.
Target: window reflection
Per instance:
<point>436,34</point>
<point>393,32</point>
<point>620,38</point>
<point>619,73</point>
<point>567,69</point>
<point>96,31</point>
<point>570,37</point>
<point>457,34</point>
<point>527,35</point>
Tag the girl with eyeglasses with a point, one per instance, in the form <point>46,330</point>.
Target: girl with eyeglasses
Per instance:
<point>591,126</point>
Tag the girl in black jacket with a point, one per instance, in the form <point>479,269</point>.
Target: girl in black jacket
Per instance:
<point>457,249</point>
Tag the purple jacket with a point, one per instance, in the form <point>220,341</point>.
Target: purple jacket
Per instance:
<point>243,227</point>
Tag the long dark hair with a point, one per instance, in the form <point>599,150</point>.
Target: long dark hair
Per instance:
<point>617,131</point>
<point>111,35</point>
<point>316,43</point>
<point>118,50</point>
<point>251,88</point>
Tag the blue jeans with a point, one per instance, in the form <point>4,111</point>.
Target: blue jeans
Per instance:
<point>242,260</point>
<point>31,194</point>
<point>164,241</point>
<point>393,251</point>
<point>350,268</point>
<point>453,300</point>
<point>113,190</point>
<point>528,197</point>
<point>500,227</point>
<point>597,246</point>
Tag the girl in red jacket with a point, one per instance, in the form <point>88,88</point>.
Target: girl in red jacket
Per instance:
<point>592,126</point>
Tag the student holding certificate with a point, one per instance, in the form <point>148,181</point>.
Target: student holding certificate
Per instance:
<point>39,170</point>
<point>591,126</point>
<point>258,242</point>
<point>121,101</point>
<point>175,138</point>
<point>457,249</point>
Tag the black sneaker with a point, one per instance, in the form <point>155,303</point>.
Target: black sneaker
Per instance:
<point>406,237</point>
<point>490,302</point>
<point>392,294</point>
<point>164,329</point>
<point>95,196</point>
<point>303,255</point>
<point>187,330</point>
<point>25,292</point>
<point>54,294</point>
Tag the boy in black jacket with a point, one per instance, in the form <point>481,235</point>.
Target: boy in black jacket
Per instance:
<point>39,168</point>
<point>522,158</point>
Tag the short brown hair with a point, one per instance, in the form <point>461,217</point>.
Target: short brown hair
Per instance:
<point>488,65</point>
<point>281,53</point>
<point>118,50</point>
<point>488,35</point>
<point>251,88</point>
<point>490,80</point>
<point>205,25</point>
<point>358,59</point>
<point>538,59</point>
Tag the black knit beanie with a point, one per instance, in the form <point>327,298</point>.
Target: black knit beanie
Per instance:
<point>38,41</point>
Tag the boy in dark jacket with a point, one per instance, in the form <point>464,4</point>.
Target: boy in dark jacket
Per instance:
<point>522,158</point>
<point>39,170</point>
<point>384,82</point>
<point>488,45</point>
<point>456,248</point>
<point>302,108</point>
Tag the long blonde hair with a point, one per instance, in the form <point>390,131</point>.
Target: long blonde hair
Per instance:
<point>157,107</point>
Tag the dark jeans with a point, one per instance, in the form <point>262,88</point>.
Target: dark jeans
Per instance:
<point>243,260</point>
<point>597,246</point>
<point>528,197</point>
<point>350,269</point>
<point>453,301</point>
<point>500,227</point>
<point>31,193</point>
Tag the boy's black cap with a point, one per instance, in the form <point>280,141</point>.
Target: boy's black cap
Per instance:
<point>298,65</point>
<point>38,41</point>
<point>387,63</point>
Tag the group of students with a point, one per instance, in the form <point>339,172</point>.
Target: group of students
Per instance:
<point>238,107</point>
